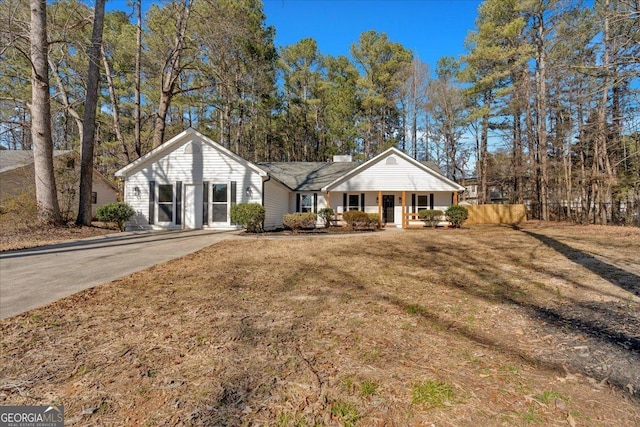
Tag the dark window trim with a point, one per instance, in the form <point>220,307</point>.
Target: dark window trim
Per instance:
<point>152,202</point>
<point>205,202</point>
<point>178,198</point>
<point>314,202</point>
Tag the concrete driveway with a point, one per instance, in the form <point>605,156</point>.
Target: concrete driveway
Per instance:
<point>30,278</point>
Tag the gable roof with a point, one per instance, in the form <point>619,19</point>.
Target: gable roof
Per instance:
<point>13,159</point>
<point>169,145</point>
<point>306,176</point>
<point>391,151</point>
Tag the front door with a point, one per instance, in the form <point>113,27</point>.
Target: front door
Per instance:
<point>193,206</point>
<point>388,208</point>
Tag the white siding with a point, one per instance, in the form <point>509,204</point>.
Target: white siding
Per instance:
<point>276,202</point>
<point>191,164</point>
<point>400,175</point>
<point>442,201</point>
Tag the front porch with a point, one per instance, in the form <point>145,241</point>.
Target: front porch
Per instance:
<point>394,208</point>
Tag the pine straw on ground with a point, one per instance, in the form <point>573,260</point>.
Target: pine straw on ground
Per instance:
<point>531,326</point>
<point>14,236</point>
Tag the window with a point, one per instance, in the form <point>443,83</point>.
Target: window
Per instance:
<point>306,202</point>
<point>165,203</point>
<point>354,202</point>
<point>423,202</point>
<point>219,202</point>
<point>94,197</point>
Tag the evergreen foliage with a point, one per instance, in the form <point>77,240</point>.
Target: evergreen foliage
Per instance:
<point>456,215</point>
<point>556,82</point>
<point>116,212</point>
<point>249,215</point>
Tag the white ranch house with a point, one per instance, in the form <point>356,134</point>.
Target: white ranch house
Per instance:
<point>191,182</point>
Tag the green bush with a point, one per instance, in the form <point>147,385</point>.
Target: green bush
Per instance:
<point>116,212</point>
<point>456,215</point>
<point>300,221</point>
<point>431,217</point>
<point>326,214</point>
<point>359,219</point>
<point>249,215</point>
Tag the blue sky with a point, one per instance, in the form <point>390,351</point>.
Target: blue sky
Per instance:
<point>430,28</point>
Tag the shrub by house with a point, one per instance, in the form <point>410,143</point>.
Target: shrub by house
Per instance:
<point>117,213</point>
<point>249,215</point>
<point>300,221</point>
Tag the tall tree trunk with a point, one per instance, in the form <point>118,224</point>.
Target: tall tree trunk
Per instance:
<point>116,109</point>
<point>541,124</point>
<point>136,111</point>
<point>46,193</point>
<point>64,97</point>
<point>518,170</point>
<point>171,74</point>
<point>483,191</point>
<point>90,105</point>
<point>604,177</point>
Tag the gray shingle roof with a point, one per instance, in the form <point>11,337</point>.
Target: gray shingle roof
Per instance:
<point>307,176</point>
<point>431,165</point>
<point>12,159</point>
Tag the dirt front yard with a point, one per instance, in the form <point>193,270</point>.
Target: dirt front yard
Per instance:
<point>14,237</point>
<point>483,326</point>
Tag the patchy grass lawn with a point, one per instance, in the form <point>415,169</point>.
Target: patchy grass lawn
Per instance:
<point>538,326</point>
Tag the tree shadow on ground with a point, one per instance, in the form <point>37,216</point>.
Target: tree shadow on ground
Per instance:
<point>606,326</point>
<point>614,275</point>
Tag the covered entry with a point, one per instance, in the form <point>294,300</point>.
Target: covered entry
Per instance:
<point>388,208</point>
<point>193,206</point>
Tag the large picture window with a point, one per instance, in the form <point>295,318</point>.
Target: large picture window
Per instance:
<point>219,203</point>
<point>165,203</point>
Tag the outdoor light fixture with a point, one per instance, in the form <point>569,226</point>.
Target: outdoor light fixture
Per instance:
<point>249,192</point>
<point>136,192</point>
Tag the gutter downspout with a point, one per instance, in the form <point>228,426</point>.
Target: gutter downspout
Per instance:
<point>263,182</point>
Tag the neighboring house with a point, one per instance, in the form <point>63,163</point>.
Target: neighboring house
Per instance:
<point>191,182</point>
<point>17,176</point>
<point>498,192</point>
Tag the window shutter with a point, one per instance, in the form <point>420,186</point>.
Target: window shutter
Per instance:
<point>297,202</point>
<point>234,190</point>
<point>413,202</point>
<point>431,201</point>
<point>344,202</point>
<point>362,202</point>
<point>205,202</point>
<point>315,202</point>
<point>178,202</point>
<point>152,202</point>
